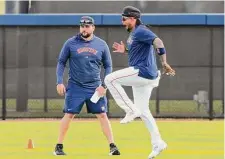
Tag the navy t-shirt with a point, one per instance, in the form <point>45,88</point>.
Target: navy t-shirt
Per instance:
<point>141,53</point>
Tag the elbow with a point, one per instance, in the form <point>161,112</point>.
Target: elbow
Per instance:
<point>108,68</point>
<point>61,62</point>
<point>107,65</point>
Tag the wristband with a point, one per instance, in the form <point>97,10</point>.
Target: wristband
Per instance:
<point>161,51</point>
<point>104,86</point>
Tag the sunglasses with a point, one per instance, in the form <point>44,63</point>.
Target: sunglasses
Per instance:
<point>125,18</point>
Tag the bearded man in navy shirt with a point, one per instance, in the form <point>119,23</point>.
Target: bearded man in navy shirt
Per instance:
<point>85,53</point>
<point>142,74</point>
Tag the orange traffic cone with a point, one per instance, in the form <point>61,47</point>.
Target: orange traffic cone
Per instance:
<point>30,144</point>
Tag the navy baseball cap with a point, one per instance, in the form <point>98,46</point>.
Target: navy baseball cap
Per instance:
<point>86,20</point>
<point>130,11</point>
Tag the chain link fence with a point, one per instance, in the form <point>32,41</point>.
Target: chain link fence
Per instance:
<point>29,57</point>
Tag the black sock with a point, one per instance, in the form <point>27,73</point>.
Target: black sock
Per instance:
<point>112,145</point>
<point>60,145</point>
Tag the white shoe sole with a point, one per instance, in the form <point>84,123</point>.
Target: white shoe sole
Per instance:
<point>57,155</point>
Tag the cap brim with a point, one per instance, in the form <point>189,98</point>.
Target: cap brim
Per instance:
<point>126,15</point>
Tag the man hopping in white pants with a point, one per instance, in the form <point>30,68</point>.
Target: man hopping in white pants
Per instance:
<point>142,74</point>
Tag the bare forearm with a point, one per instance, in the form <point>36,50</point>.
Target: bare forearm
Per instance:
<point>163,59</point>
<point>160,49</point>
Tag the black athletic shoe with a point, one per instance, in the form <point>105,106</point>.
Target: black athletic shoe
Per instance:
<point>59,150</point>
<point>114,150</point>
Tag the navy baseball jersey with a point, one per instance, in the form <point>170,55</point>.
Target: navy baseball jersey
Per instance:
<point>85,61</point>
<point>141,53</point>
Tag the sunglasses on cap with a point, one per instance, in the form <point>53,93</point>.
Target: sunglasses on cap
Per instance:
<point>86,21</point>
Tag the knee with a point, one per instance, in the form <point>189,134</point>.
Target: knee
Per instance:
<point>69,116</point>
<point>108,79</point>
<point>102,116</point>
<point>144,115</point>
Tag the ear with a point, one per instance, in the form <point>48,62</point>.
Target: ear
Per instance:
<point>93,28</point>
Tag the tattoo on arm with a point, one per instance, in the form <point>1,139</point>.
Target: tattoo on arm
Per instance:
<point>157,43</point>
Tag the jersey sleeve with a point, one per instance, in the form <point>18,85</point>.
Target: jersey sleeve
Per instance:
<point>107,60</point>
<point>145,35</point>
<point>63,57</point>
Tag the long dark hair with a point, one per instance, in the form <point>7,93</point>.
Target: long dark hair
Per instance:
<point>139,22</point>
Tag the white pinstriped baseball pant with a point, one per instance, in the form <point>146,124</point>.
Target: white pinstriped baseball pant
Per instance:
<point>142,89</point>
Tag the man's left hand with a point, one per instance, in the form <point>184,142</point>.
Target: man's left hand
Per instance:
<point>101,91</point>
<point>168,70</point>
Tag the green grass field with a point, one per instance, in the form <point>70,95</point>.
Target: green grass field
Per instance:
<point>186,140</point>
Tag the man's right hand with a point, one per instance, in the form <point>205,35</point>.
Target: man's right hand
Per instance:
<point>61,89</point>
<point>119,47</point>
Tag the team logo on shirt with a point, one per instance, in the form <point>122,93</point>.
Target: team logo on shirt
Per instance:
<point>86,49</point>
<point>103,108</point>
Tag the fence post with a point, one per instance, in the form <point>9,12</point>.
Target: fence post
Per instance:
<point>223,90</point>
<point>211,77</point>
<point>16,7</point>
<point>3,74</point>
<point>45,73</point>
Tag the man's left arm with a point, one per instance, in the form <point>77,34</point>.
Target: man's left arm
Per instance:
<point>161,51</point>
<point>107,62</point>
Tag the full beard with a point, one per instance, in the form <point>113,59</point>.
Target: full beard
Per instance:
<point>85,35</point>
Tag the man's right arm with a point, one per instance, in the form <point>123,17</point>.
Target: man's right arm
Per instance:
<point>119,47</point>
<point>63,57</point>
